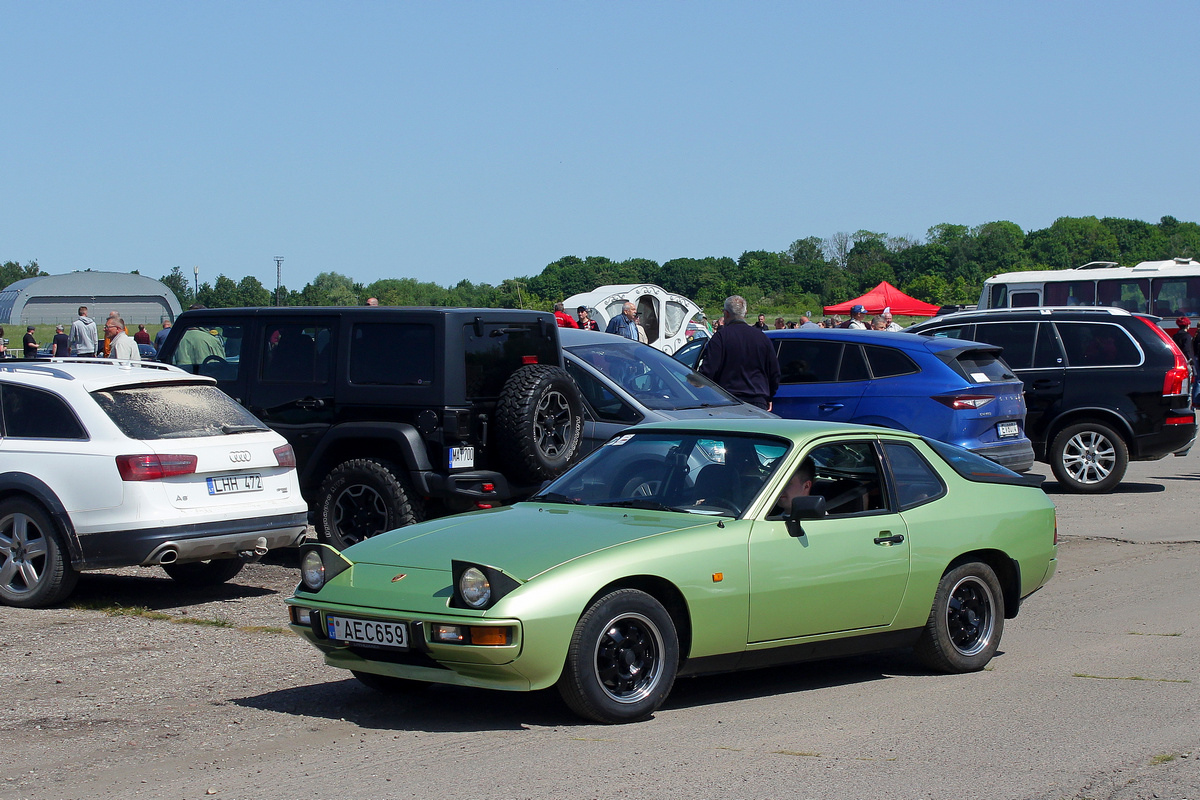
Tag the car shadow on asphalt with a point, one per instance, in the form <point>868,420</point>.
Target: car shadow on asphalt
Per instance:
<point>155,592</point>
<point>1053,488</point>
<point>1194,476</point>
<point>443,708</point>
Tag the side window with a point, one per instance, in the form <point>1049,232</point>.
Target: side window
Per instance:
<point>916,481</point>
<point>391,354</point>
<point>1025,299</point>
<point>1015,337</point>
<point>208,348</point>
<point>808,360</point>
<point>1047,353</point>
<point>1089,344</point>
<point>606,405</point>
<point>848,476</point>
<point>999,298</point>
<point>887,362</point>
<point>496,349</point>
<point>854,368</point>
<point>35,414</point>
<point>297,352</point>
<point>1071,293</point>
<point>956,332</point>
<point>1131,294</point>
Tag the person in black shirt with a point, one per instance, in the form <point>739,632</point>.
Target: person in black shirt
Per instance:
<point>30,343</point>
<point>740,359</point>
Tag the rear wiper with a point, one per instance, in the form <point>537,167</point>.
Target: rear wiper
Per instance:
<point>555,497</point>
<point>645,505</point>
<point>227,428</point>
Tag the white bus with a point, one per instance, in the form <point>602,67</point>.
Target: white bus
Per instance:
<point>1167,289</point>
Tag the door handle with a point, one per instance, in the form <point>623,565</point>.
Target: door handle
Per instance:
<point>310,403</point>
<point>889,540</point>
<point>831,406</point>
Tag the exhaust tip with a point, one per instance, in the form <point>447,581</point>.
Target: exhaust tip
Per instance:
<point>168,556</point>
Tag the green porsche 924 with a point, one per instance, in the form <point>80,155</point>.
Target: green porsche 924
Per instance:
<point>688,548</point>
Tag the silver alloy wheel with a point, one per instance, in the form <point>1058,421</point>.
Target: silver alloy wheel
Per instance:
<point>629,658</point>
<point>552,423</point>
<point>1089,457</point>
<point>971,615</point>
<point>24,551</point>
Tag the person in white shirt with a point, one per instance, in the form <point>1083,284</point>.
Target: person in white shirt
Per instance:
<point>124,348</point>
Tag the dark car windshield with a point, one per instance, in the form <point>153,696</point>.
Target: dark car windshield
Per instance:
<point>654,378</point>
<point>172,411</point>
<point>709,472</point>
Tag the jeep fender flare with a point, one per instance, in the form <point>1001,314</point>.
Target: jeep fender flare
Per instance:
<point>398,437</point>
<point>17,483</point>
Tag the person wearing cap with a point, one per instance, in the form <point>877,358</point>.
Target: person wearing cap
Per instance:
<point>857,321</point>
<point>59,347</point>
<point>563,319</point>
<point>30,342</point>
<point>740,359</point>
<point>585,319</point>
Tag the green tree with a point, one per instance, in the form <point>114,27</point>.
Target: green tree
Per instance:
<point>178,283</point>
<point>1071,242</point>
<point>330,289</point>
<point>11,272</point>
<point>251,293</point>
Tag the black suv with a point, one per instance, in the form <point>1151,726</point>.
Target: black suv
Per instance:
<point>395,414</point>
<point>1102,386</point>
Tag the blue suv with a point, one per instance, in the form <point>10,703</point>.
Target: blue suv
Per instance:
<point>954,391</point>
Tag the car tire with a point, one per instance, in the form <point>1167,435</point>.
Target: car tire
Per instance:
<point>34,568</point>
<point>361,498</point>
<point>199,574</point>
<point>539,423</point>
<point>1089,458</point>
<point>386,684</point>
<point>966,621</point>
<point>622,659</point>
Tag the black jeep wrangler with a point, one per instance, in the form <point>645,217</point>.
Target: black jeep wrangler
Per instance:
<point>395,414</point>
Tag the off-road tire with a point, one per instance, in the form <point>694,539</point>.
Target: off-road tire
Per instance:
<point>361,498</point>
<point>198,574</point>
<point>539,423</point>
<point>34,568</point>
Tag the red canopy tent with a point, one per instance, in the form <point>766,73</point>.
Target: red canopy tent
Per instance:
<point>886,296</point>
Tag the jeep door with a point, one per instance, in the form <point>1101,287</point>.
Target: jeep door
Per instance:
<point>292,389</point>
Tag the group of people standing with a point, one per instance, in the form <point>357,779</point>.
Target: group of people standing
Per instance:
<point>87,340</point>
<point>858,321</point>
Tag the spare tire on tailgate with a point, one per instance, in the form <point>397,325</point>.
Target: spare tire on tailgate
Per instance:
<point>539,423</point>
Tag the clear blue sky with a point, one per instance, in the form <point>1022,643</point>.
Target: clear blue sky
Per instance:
<point>443,141</point>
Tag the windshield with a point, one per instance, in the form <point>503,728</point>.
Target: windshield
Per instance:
<point>651,376</point>
<point>711,473</point>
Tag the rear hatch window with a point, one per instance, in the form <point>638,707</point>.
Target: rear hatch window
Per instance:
<point>981,366</point>
<point>175,411</point>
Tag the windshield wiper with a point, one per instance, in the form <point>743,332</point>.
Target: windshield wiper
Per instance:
<point>645,505</point>
<point>555,497</point>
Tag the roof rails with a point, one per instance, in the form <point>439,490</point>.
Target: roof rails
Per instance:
<point>1047,310</point>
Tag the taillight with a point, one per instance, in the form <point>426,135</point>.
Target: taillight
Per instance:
<point>960,402</point>
<point>285,456</point>
<point>1178,419</point>
<point>154,467</point>
<point>1176,380</point>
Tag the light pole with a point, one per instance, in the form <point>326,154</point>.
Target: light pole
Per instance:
<point>196,272</point>
<point>278,277</point>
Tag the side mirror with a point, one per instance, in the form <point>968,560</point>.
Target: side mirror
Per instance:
<point>810,507</point>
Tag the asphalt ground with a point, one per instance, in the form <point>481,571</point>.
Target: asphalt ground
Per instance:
<point>1095,694</point>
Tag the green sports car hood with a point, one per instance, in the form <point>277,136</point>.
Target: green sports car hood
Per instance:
<point>522,540</point>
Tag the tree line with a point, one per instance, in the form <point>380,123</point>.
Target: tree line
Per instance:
<point>948,266</point>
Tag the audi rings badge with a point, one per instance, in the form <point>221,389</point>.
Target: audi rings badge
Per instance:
<point>239,456</point>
